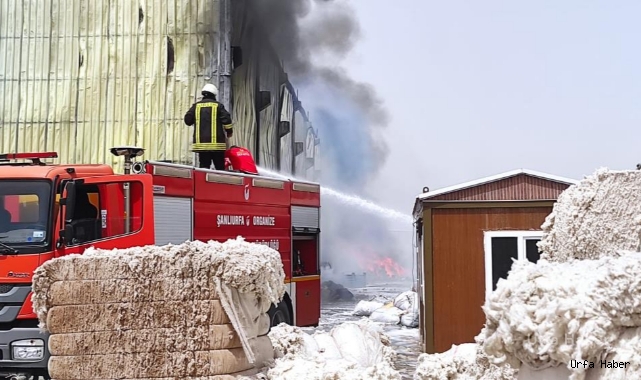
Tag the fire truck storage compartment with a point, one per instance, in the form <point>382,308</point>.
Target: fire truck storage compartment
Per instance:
<point>173,218</point>
<point>306,229</point>
<point>308,292</point>
<point>305,218</point>
<point>305,254</point>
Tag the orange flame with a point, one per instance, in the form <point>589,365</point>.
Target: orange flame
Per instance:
<point>386,266</point>
<point>376,263</point>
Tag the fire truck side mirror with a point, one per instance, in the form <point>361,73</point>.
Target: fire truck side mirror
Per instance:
<point>67,233</point>
<point>70,201</point>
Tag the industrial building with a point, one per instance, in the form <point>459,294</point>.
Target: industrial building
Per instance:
<point>467,236</point>
<point>79,77</point>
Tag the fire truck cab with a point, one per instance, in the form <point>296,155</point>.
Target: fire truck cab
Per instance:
<point>49,211</point>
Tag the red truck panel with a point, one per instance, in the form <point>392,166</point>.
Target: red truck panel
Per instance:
<point>168,180</point>
<point>307,300</point>
<point>216,220</point>
<point>302,196</point>
<point>247,193</point>
<point>260,214</point>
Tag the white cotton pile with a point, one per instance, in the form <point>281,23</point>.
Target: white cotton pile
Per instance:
<point>598,216</point>
<point>462,362</point>
<point>623,361</point>
<point>550,313</point>
<point>352,350</point>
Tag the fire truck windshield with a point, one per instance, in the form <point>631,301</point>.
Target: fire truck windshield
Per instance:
<point>25,206</point>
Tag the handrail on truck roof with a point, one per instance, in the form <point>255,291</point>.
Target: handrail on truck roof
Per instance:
<point>182,166</point>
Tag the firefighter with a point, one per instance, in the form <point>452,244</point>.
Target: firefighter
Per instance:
<point>213,128</point>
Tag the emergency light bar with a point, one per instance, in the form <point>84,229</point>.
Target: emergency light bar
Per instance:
<point>34,157</point>
<point>28,156</point>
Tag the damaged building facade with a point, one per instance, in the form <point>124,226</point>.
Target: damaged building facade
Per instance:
<point>79,77</point>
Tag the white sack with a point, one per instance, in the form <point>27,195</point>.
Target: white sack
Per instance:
<point>406,300</point>
<point>366,308</point>
<point>410,319</point>
<point>363,354</point>
<point>387,314</point>
<point>326,346</point>
<point>359,343</point>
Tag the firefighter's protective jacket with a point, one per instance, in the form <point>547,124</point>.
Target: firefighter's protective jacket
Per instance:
<point>212,122</point>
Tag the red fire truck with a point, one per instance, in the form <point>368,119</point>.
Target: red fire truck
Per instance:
<point>48,211</point>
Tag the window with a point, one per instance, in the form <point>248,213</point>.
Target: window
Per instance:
<point>24,214</point>
<point>101,211</point>
<point>502,247</point>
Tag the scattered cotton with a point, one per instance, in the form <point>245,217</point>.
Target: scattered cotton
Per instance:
<point>350,351</point>
<point>462,362</point>
<point>550,313</point>
<point>598,216</point>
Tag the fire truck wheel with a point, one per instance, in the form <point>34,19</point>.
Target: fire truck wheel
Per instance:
<point>279,314</point>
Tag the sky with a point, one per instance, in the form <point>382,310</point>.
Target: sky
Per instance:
<point>476,88</point>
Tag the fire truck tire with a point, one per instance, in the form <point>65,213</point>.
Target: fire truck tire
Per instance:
<point>279,314</point>
<point>179,364</point>
<point>132,316</point>
<point>202,338</point>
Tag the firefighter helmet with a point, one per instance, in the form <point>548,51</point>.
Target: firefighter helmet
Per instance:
<point>210,88</point>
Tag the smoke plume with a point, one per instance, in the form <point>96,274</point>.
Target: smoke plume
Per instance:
<point>312,37</point>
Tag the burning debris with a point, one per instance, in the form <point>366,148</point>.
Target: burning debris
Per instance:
<point>386,267</point>
<point>367,268</point>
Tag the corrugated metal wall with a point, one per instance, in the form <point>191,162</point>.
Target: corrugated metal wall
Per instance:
<point>287,114</point>
<point>521,187</point>
<point>81,76</point>
<point>299,131</point>
<point>244,78</point>
<point>270,80</point>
